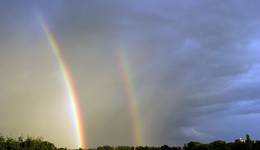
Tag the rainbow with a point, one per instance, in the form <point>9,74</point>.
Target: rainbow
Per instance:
<point>131,98</point>
<point>67,76</point>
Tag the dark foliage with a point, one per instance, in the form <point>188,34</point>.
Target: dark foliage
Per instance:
<point>25,144</point>
<point>39,144</point>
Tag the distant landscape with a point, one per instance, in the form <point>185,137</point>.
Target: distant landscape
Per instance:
<point>7,143</point>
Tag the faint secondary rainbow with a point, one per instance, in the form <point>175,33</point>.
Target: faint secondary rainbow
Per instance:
<point>73,97</point>
<point>131,98</point>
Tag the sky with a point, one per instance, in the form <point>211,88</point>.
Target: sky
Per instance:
<point>193,67</point>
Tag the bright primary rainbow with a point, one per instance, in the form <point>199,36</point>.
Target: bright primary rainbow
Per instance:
<point>74,100</point>
<point>131,98</point>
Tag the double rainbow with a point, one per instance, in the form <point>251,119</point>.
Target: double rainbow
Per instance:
<point>73,97</point>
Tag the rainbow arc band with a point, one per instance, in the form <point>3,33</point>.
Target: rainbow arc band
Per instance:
<point>67,76</point>
<point>131,98</point>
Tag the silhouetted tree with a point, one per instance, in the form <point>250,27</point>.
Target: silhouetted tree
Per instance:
<point>219,145</point>
<point>238,145</point>
<point>139,148</point>
<point>249,142</point>
<point>124,148</point>
<point>39,144</point>
<point>176,148</point>
<point>202,147</point>
<point>256,145</point>
<point>192,145</point>
<point>165,147</point>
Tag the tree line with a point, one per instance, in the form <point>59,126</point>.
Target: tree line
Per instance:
<point>7,143</point>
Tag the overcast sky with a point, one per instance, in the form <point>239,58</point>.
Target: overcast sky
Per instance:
<point>195,68</point>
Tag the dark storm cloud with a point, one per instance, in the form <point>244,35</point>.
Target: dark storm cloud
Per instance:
<point>195,65</point>
<point>203,68</point>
